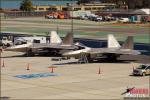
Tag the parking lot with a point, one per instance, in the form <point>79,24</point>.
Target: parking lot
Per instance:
<point>81,28</point>
<point>103,80</point>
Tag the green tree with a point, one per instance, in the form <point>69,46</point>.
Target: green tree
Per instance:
<point>26,5</point>
<point>139,4</point>
<point>146,3</point>
<point>118,3</point>
<point>132,4</point>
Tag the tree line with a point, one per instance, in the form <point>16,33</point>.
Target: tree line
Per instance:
<point>27,5</point>
<point>131,4</point>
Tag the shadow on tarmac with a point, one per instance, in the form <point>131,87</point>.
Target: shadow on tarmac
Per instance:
<point>122,59</point>
<point>99,61</point>
<point>138,75</point>
<point>36,55</point>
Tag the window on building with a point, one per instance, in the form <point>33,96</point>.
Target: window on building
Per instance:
<point>47,8</point>
<point>34,8</point>
<point>77,9</point>
<point>99,8</point>
<point>41,8</point>
<point>54,9</point>
<point>94,8</point>
<point>87,8</point>
<point>51,9</point>
<point>65,9</point>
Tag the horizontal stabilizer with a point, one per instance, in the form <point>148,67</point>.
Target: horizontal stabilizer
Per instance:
<point>112,42</point>
<point>80,45</point>
<point>55,39</point>
<point>128,44</point>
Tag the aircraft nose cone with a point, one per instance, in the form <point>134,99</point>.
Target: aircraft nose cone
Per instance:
<point>8,49</point>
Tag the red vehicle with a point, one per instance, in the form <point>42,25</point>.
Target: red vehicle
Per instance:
<point>55,15</point>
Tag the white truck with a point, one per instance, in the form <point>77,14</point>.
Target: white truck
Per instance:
<point>124,20</point>
<point>24,40</point>
<point>79,14</point>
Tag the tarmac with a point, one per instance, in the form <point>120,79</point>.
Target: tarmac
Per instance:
<point>103,80</point>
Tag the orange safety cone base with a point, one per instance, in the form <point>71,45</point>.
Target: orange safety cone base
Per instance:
<point>99,72</point>
<point>52,70</point>
<point>28,67</point>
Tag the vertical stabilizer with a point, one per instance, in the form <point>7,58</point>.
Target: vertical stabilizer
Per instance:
<point>68,40</point>
<point>128,44</point>
<point>112,42</point>
<point>55,39</point>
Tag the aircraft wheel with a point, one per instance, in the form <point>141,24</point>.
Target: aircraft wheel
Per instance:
<point>112,58</point>
<point>144,74</point>
<point>8,45</point>
<point>30,53</point>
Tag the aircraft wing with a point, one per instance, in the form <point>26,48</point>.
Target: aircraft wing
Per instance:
<point>95,51</point>
<point>50,46</point>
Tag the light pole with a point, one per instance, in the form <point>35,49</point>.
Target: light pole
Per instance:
<point>0,57</point>
<point>72,17</point>
<point>70,9</point>
<point>149,56</point>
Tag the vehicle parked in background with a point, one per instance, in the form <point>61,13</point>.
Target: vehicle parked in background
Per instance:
<point>5,42</point>
<point>84,17</point>
<point>124,20</point>
<point>79,14</point>
<point>107,18</point>
<point>50,17</point>
<point>98,18</point>
<point>142,70</point>
<point>55,15</point>
<point>92,17</point>
<point>113,18</point>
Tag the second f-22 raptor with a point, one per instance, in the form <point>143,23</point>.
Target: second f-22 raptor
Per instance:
<point>112,52</point>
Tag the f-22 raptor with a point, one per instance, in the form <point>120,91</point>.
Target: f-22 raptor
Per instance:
<point>56,45</point>
<point>111,52</point>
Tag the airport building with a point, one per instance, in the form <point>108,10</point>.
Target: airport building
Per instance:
<point>75,7</point>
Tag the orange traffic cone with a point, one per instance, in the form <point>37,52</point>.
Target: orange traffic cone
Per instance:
<point>52,69</point>
<point>28,66</point>
<point>99,71</point>
<point>3,65</point>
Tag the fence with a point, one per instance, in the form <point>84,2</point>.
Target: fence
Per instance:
<point>113,12</point>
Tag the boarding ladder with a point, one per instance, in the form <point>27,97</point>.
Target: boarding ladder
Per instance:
<point>82,58</point>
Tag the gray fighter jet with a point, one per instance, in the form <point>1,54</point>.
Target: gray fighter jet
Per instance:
<point>112,52</point>
<point>56,45</point>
